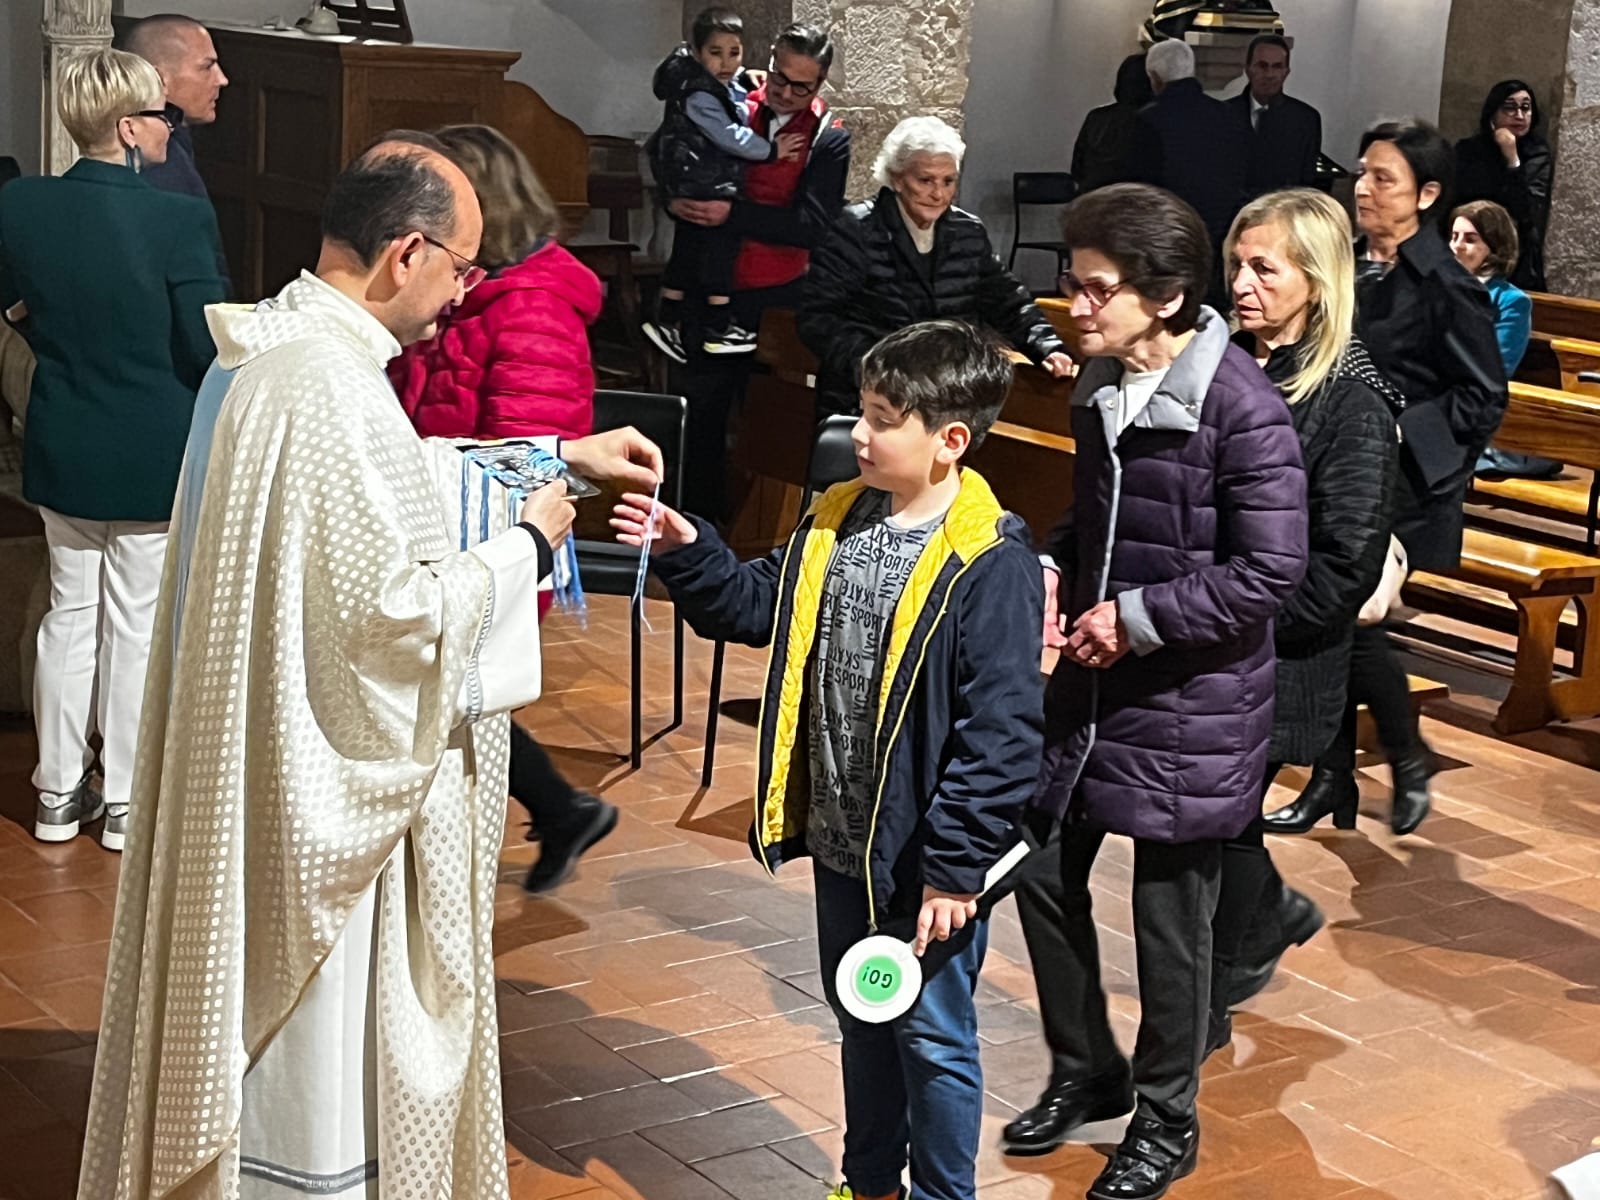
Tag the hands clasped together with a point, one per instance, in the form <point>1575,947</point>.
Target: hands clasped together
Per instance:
<point>1096,639</point>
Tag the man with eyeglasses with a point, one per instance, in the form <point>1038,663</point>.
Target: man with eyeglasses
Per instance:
<point>786,209</point>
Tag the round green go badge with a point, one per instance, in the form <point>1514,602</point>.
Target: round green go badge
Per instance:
<point>879,978</point>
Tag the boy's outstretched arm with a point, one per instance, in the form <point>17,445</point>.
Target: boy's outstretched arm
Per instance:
<point>997,733</point>
<point>721,597</point>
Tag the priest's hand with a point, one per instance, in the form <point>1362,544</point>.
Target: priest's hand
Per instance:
<point>625,455</point>
<point>549,511</point>
<point>943,913</point>
<point>671,529</point>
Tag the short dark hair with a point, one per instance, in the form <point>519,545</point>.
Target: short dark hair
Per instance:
<point>715,20</point>
<point>155,38</point>
<point>807,41</point>
<point>1498,95</point>
<point>1430,157</point>
<point>1496,229</point>
<point>1133,83</point>
<point>942,371</point>
<point>385,194</point>
<point>1158,242</point>
<point>1267,39</point>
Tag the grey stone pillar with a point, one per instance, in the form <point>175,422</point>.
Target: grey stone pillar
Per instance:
<point>71,27</point>
<point>1573,245</point>
<point>893,60</point>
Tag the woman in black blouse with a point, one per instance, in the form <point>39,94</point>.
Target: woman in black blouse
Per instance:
<point>1509,161</point>
<point>1429,327</point>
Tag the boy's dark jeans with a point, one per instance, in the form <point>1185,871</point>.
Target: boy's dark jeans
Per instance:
<point>702,259</point>
<point>920,1072</point>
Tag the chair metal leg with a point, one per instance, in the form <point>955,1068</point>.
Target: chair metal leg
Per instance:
<point>709,758</point>
<point>677,671</point>
<point>636,751</point>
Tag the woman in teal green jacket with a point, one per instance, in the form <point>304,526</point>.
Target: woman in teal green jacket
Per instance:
<point>107,279</point>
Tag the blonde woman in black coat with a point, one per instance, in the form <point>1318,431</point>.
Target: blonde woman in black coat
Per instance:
<point>1293,285</point>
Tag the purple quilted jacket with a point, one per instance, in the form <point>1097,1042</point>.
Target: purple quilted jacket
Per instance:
<point>1194,521</point>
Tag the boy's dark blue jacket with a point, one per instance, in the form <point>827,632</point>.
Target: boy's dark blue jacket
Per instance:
<point>683,160</point>
<point>960,725</point>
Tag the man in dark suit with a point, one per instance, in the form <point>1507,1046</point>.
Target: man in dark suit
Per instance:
<point>181,49</point>
<point>1285,133</point>
<point>1192,145</point>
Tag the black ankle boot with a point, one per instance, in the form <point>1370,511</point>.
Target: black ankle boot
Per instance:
<point>1065,1106</point>
<point>1328,792</point>
<point>1153,1156</point>
<point>1296,920</point>
<point>1410,772</point>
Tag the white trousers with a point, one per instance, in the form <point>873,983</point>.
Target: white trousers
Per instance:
<point>104,579</point>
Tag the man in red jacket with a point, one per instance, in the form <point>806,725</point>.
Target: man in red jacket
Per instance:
<point>786,209</point>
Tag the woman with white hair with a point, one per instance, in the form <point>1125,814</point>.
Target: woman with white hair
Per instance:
<point>107,279</point>
<point>906,256</point>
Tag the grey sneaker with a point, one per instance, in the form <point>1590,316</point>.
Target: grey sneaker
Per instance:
<point>115,830</point>
<point>57,818</point>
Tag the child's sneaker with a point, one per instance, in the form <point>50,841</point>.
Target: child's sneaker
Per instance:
<point>668,339</point>
<point>735,339</point>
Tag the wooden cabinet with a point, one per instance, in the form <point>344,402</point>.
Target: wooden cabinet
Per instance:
<point>297,109</point>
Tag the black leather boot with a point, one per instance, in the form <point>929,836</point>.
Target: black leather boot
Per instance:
<point>1065,1106</point>
<point>1328,792</point>
<point>1153,1156</point>
<point>1296,920</point>
<point>1410,772</point>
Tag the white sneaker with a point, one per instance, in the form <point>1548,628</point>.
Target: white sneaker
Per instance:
<point>115,830</point>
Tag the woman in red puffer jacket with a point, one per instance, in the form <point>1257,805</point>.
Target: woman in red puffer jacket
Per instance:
<point>512,360</point>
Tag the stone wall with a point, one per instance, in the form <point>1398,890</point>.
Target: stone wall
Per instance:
<point>893,60</point>
<point>1491,40</point>
<point>1574,239</point>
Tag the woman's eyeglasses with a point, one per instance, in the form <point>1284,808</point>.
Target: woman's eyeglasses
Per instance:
<point>164,115</point>
<point>1512,109</point>
<point>1070,286</point>
<point>776,78</point>
<point>468,273</point>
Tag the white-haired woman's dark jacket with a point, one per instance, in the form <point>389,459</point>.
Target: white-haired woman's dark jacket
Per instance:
<point>868,280</point>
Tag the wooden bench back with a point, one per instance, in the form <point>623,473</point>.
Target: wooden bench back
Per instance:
<point>1552,424</point>
<point>1566,316</point>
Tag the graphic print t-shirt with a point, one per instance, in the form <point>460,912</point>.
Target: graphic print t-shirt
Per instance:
<point>873,558</point>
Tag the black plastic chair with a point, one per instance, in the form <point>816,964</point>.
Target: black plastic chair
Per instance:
<point>1033,188</point>
<point>833,460</point>
<point>609,568</point>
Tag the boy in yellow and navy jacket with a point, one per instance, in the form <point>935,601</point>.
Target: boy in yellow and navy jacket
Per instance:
<point>901,726</point>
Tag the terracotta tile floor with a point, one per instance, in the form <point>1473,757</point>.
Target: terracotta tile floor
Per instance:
<point>664,1035</point>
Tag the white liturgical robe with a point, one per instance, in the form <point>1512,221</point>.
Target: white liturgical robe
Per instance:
<point>300,994</point>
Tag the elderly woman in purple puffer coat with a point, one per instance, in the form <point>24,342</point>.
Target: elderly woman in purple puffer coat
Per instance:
<point>1186,533</point>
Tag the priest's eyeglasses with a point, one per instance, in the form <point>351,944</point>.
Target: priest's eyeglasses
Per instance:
<point>798,88</point>
<point>469,273</point>
<point>1069,285</point>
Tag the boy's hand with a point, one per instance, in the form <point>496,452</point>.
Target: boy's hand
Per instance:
<point>1054,635</point>
<point>672,528</point>
<point>943,913</point>
<point>790,145</point>
<point>621,454</point>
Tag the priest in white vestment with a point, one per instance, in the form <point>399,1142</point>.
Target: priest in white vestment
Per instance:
<point>300,997</point>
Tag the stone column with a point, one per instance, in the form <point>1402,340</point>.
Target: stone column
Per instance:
<point>893,60</point>
<point>1573,245</point>
<point>71,27</point>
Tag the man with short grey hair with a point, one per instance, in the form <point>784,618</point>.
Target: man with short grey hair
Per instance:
<point>1192,145</point>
